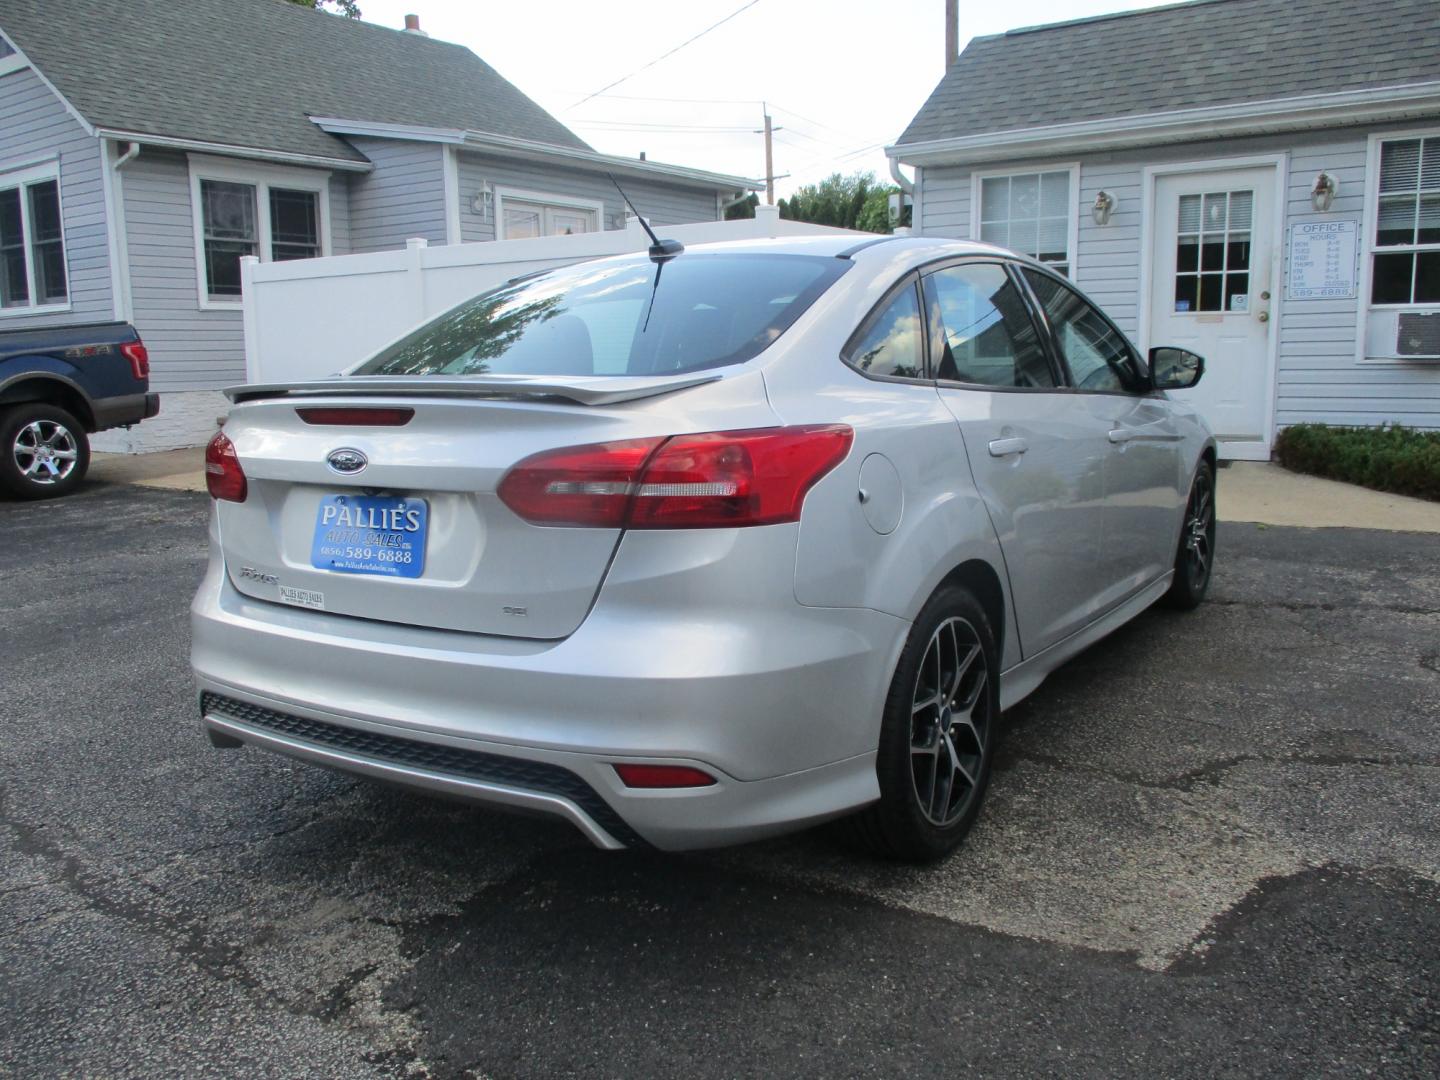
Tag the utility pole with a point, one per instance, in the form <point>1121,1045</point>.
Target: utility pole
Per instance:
<point>769,159</point>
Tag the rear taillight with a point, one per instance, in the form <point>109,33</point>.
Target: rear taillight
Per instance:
<point>715,480</point>
<point>381,417</point>
<point>223,474</point>
<point>579,485</point>
<point>139,358</point>
<point>663,776</point>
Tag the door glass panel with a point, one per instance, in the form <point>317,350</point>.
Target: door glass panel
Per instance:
<point>984,333</point>
<point>1212,251</point>
<point>1097,354</point>
<point>892,346</point>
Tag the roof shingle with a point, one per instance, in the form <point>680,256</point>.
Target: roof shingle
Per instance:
<point>1193,55</point>
<point>249,73</point>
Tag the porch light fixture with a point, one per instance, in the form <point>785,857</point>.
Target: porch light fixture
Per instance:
<point>480,204</point>
<point>1323,193</point>
<point>1103,207</point>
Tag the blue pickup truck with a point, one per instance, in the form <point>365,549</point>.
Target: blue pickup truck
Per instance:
<point>59,386</point>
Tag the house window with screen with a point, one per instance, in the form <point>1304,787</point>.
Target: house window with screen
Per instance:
<point>1031,213</point>
<point>239,217</point>
<point>1406,267</point>
<point>32,242</point>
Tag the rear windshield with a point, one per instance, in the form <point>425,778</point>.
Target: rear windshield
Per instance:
<point>692,312</point>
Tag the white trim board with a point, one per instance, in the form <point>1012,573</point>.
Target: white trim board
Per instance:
<point>1281,164</point>
<point>451,176</point>
<point>538,151</point>
<point>1328,110</point>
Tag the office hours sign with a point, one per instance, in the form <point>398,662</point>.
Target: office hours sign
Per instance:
<point>1322,260</point>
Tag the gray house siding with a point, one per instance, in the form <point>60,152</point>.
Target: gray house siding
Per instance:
<point>404,197</point>
<point>190,348</point>
<point>37,125</point>
<point>661,203</point>
<point>1318,377</point>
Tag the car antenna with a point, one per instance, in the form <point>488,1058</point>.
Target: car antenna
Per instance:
<point>660,250</point>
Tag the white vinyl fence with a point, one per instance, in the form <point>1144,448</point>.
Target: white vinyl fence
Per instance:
<point>310,318</point>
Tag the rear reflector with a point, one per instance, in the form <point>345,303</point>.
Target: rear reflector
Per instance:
<point>223,474</point>
<point>139,358</point>
<point>663,776</point>
<point>715,480</point>
<point>357,417</point>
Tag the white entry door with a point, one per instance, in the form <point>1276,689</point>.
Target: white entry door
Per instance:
<point>1211,290</point>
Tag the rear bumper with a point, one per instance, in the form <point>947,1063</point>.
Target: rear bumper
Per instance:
<point>124,410</point>
<point>779,702</point>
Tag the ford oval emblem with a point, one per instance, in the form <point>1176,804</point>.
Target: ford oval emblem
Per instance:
<point>346,461</point>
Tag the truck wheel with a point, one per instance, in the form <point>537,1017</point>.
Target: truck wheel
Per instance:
<point>44,451</point>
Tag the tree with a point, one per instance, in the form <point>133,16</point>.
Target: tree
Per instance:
<point>857,201</point>
<point>743,209</point>
<point>349,8</point>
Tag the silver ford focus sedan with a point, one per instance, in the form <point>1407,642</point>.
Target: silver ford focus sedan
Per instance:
<point>699,546</point>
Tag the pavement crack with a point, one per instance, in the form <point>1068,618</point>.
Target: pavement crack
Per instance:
<point>1303,606</point>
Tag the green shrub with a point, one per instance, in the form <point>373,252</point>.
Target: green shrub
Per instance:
<point>1388,458</point>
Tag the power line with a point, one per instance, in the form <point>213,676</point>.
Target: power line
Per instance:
<point>663,56</point>
<point>626,125</point>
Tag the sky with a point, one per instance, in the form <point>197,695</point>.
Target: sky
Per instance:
<point>841,78</point>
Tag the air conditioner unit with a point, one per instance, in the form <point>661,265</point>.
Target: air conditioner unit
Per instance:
<point>1418,334</point>
<point>1403,335</point>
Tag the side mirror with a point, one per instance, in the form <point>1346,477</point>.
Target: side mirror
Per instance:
<point>1175,369</point>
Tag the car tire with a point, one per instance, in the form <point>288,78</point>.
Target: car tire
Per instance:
<point>1195,556</point>
<point>44,451</point>
<point>941,719</point>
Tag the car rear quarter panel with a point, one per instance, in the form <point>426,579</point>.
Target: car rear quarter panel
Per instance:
<point>841,559</point>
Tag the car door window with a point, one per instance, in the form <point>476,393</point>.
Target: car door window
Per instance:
<point>891,343</point>
<point>981,330</point>
<point>1097,354</point>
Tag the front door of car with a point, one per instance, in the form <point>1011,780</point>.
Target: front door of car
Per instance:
<point>1036,455</point>
<point>1145,481</point>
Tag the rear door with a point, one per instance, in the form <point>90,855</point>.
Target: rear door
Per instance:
<point>1036,454</point>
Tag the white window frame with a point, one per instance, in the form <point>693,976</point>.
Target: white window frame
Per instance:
<point>568,202</point>
<point>262,178</point>
<point>1369,221</point>
<point>1072,233</point>
<point>20,177</point>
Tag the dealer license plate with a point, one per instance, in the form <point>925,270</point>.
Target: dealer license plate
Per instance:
<point>370,534</point>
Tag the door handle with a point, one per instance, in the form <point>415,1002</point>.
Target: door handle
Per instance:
<point>1006,447</point>
<point>1121,435</point>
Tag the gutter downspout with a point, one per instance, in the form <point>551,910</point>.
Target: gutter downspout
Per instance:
<point>115,242</point>
<point>907,187</point>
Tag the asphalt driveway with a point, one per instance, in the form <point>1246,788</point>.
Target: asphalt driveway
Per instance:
<point>1212,848</point>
